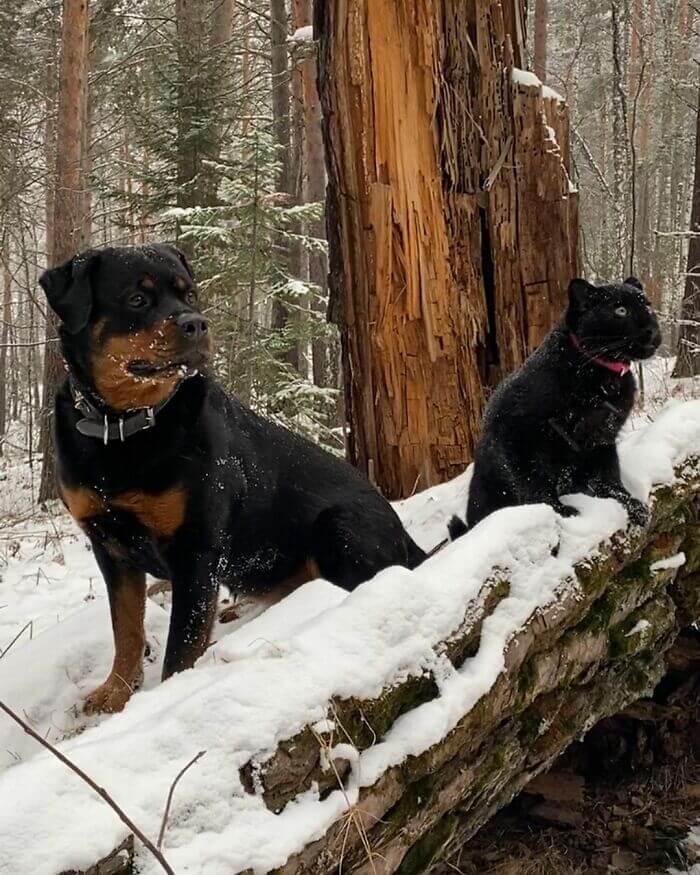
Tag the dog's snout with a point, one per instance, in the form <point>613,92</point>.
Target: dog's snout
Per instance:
<point>192,325</point>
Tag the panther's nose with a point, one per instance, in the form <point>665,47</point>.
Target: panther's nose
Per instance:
<point>192,325</point>
<point>652,336</point>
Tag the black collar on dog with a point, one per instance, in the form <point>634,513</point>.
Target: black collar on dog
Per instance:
<point>97,424</point>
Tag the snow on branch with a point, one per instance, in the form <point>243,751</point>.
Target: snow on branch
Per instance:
<point>527,79</point>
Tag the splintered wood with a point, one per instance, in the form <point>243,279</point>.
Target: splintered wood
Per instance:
<point>450,219</point>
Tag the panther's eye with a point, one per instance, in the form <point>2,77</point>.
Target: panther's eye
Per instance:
<point>138,301</point>
<point>621,311</point>
<point>191,298</point>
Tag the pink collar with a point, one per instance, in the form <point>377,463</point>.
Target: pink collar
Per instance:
<point>619,368</point>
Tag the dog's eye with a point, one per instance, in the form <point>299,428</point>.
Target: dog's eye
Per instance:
<point>191,298</point>
<point>621,311</point>
<point>138,301</point>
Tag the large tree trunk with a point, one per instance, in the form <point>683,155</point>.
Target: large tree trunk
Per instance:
<point>688,362</point>
<point>68,202</point>
<point>447,266</point>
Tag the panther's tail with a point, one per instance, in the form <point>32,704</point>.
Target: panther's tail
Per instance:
<point>457,527</point>
<point>415,554</point>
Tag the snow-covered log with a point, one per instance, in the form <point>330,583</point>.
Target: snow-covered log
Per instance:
<point>350,729</point>
<point>583,658</point>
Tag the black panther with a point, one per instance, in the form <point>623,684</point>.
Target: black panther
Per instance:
<point>550,428</point>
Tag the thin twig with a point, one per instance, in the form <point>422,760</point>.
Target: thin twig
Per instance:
<point>164,823</point>
<point>121,814</point>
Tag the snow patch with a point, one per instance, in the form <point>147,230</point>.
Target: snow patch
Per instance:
<point>527,79</point>
<point>676,561</point>
<point>302,35</point>
<point>638,628</point>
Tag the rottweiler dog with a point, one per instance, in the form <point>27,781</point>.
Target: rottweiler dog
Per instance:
<point>170,476</point>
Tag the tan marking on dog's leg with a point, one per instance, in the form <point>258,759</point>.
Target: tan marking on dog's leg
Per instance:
<point>162,513</point>
<point>127,599</point>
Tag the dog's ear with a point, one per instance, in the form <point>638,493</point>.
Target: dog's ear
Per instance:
<point>582,293</point>
<point>179,254</point>
<point>68,290</point>
<point>633,281</point>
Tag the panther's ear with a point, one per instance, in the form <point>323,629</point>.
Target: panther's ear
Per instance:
<point>633,281</point>
<point>582,293</point>
<point>68,290</point>
<point>179,254</point>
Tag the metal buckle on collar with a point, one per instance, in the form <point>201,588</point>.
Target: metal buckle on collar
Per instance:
<point>121,429</point>
<point>105,433</point>
<point>150,417</point>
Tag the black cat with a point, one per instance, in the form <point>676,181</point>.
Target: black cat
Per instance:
<point>550,428</point>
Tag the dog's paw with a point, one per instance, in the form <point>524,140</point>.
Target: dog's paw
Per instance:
<point>637,512</point>
<point>109,697</point>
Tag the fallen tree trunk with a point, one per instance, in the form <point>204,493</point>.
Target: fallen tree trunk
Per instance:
<point>574,664</point>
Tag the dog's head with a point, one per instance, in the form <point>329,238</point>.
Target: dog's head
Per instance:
<point>131,326</point>
<point>613,321</point>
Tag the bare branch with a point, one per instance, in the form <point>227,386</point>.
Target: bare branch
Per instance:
<point>164,822</point>
<point>125,819</point>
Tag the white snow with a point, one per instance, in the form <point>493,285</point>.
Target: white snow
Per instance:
<point>302,34</point>
<point>676,561</point>
<point>266,679</point>
<point>639,627</point>
<point>527,79</point>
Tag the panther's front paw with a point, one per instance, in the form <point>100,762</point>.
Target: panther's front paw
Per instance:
<point>565,510</point>
<point>637,512</point>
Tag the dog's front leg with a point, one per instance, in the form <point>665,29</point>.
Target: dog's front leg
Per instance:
<point>126,589</point>
<point>195,591</point>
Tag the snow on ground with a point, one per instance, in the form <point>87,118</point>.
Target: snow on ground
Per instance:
<point>265,679</point>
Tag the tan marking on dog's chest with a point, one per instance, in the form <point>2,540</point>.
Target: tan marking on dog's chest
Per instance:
<point>161,513</point>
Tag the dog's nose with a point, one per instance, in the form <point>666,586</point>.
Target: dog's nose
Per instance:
<point>192,325</point>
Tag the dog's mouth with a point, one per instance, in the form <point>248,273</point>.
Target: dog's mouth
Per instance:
<point>184,366</point>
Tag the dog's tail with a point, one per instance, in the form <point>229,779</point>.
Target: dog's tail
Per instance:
<point>457,527</point>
